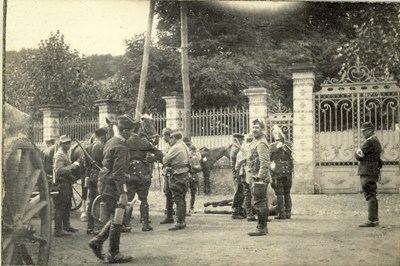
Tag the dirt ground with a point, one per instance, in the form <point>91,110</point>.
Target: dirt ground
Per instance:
<point>323,231</point>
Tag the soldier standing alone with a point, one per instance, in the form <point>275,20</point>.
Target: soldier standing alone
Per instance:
<point>281,171</point>
<point>369,156</point>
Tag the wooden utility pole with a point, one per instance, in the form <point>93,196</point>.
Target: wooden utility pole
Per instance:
<point>185,71</point>
<point>145,64</point>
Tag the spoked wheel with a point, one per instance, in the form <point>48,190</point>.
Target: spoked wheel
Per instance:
<point>76,196</point>
<point>26,223</point>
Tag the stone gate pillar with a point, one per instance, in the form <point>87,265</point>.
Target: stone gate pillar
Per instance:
<point>107,109</point>
<point>258,107</point>
<point>303,127</point>
<point>174,111</point>
<point>51,121</point>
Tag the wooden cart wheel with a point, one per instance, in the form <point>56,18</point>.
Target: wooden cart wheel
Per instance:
<point>26,223</point>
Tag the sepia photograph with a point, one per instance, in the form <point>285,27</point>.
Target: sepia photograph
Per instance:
<point>155,132</point>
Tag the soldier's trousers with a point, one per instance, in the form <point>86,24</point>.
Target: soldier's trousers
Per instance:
<point>207,185</point>
<point>142,189</point>
<point>92,194</point>
<point>179,184</point>
<point>238,196</point>
<point>282,184</point>
<point>369,187</point>
<point>62,206</point>
<point>260,202</point>
<point>169,202</point>
<point>247,199</point>
<point>193,185</point>
<point>111,229</point>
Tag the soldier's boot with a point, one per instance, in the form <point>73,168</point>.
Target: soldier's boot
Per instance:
<point>67,222</point>
<point>114,256</point>
<point>58,232</point>
<point>144,213</point>
<point>288,206</point>
<point>261,229</point>
<point>96,243</point>
<point>127,220</point>
<point>281,207</point>
<point>181,212</point>
<point>236,213</point>
<point>373,219</point>
<point>169,219</point>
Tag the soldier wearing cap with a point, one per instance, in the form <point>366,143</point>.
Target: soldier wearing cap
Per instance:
<point>95,150</point>
<point>238,196</point>
<point>64,172</point>
<point>177,161</point>
<point>195,168</point>
<point>258,163</point>
<point>206,165</point>
<point>281,172</point>
<point>112,188</point>
<point>369,167</point>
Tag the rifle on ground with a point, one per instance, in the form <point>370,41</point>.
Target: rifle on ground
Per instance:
<point>218,203</point>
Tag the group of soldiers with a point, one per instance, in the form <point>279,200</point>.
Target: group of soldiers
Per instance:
<point>121,167</point>
<point>118,169</point>
<point>255,164</point>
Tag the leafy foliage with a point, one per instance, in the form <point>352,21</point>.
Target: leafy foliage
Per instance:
<point>52,74</point>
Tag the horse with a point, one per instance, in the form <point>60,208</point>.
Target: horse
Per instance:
<point>208,158</point>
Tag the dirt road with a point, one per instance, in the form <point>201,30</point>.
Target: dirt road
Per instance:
<point>323,231</point>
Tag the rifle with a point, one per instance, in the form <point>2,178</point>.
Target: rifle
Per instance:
<point>92,161</point>
<point>218,203</point>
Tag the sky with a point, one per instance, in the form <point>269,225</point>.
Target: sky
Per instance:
<point>89,26</point>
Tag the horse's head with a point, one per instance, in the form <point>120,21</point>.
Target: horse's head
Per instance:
<point>147,126</point>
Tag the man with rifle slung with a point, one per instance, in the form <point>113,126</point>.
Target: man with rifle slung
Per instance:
<point>112,187</point>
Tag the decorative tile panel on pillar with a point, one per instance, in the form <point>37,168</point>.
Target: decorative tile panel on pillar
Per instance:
<point>107,109</point>
<point>258,107</point>
<point>303,127</point>
<point>174,111</point>
<point>51,121</point>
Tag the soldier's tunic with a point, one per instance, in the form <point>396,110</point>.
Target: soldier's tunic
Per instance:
<point>206,166</point>
<point>95,150</point>
<point>369,171</point>
<point>258,163</point>
<point>238,196</point>
<point>241,167</point>
<point>64,178</point>
<point>141,156</point>
<point>281,157</point>
<point>177,159</point>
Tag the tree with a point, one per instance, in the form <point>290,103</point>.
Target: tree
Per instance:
<point>52,74</point>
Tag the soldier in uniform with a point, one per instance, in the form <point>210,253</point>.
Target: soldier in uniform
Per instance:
<point>206,166</point>
<point>95,150</point>
<point>112,188</point>
<point>258,170</point>
<point>141,156</point>
<point>281,171</point>
<point>64,172</point>
<point>177,161</point>
<point>238,196</point>
<point>169,202</point>
<point>195,168</point>
<point>370,164</point>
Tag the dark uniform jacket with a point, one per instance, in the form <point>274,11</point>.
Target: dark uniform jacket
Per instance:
<point>371,163</point>
<point>282,157</point>
<point>115,166</point>
<point>141,155</point>
<point>233,157</point>
<point>258,159</point>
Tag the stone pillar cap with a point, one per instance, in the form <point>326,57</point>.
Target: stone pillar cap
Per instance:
<point>302,67</point>
<point>51,106</point>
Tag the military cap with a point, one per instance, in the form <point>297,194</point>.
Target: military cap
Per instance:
<point>238,135</point>
<point>367,126</point>
<point>192,147</point>
<point>277,130</point>
<point>124,122</point>
<point>258,121</point>
<point>64,139</point>
<point>176,133</point>
<point>100,132</point>
<point>50,142</point>
<point>167,131</point>
<point>187,141</point>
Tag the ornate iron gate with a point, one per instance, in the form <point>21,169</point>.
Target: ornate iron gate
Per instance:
<point>341,107</point>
